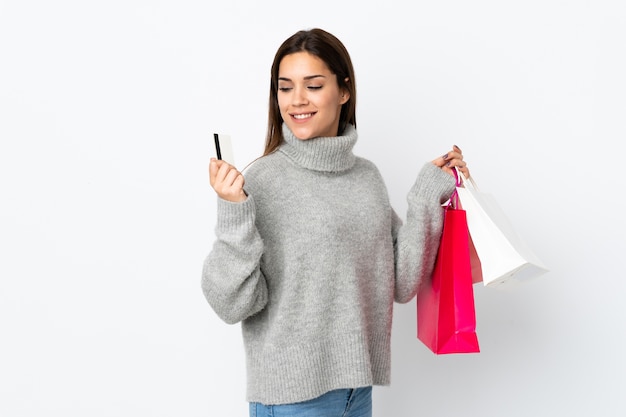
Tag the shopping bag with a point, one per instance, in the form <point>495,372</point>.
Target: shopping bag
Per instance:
<point>504,256</point>
<point>446,319</point>
<point>477,269</point>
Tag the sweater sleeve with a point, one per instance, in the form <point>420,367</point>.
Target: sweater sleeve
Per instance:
<point>416,243</point>
<point>232,281</point>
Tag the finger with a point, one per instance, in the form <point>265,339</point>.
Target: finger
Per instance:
<point>231,186</point>
<point>464,169</point>
<point>239,182</point>
<point>442,160</point>
<point>230,177</point>
<point>458,163</point>
<point>449,159</point>
<point>224,169</point>
<point>454,162</point>
<point>228,181</point>
<point>213,168</point>
<point>218,170</point>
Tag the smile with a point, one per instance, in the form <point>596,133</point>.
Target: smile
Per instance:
<point>302,116</point>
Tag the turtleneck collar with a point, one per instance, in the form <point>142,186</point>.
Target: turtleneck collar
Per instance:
<point>330,154</point>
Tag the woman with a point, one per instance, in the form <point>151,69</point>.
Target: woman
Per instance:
<point>309,254</point>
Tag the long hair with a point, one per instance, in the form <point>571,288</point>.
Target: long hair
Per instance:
<point>329,49</point>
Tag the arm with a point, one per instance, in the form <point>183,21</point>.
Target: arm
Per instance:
<point>416,243</point>
<point>232,281</point>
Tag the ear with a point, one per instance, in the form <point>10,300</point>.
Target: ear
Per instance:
<point>345,93</point>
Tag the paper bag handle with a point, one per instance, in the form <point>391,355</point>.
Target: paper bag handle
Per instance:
<point>461,179</point>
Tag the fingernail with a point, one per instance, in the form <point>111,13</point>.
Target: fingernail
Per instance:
<point>445,156</point>
<point>448,164</point>
<point>457,147</point>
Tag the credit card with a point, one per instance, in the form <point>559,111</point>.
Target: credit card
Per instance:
<point>224,148</point>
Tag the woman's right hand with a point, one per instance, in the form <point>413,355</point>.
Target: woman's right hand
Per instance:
<point>226,181</point>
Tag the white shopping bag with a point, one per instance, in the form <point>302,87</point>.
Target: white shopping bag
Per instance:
<point>504,257</point>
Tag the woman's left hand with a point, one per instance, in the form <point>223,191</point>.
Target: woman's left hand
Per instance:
<point>452,159</point>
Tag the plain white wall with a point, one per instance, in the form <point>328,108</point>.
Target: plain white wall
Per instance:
<point>106,115</point>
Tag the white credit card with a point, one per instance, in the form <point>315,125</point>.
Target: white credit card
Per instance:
<point>224,148</point>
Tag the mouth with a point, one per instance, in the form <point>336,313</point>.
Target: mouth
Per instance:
<point>302,116</point>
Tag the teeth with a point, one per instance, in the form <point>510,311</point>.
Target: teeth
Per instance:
<point>302,116</point>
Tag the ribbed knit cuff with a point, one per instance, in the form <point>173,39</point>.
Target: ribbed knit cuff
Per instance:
<point>432,184</point>
<point>232,216</point>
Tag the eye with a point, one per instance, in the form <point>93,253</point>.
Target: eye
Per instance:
<point>284,89</point>
<point>314,87</point>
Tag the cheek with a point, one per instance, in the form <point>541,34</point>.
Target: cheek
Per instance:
<point>335,100</point>
<point>282,105</point>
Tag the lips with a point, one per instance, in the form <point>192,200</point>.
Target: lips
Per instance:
<point>302,116</point>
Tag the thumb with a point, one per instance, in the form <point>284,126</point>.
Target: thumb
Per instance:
<point>213,168</point>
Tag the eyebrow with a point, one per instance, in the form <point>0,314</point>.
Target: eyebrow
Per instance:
<point>308,77</point>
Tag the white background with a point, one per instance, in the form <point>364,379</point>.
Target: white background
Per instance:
<point>106,116</point>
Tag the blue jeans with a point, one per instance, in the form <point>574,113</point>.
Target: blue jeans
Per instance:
<point>338,403</point>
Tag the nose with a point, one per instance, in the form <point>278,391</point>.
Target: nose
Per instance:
<point>299,96</point>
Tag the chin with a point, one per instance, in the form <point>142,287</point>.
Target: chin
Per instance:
<point>302,134</point>
<point>304,137</point>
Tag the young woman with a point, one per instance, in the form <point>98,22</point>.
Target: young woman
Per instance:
<point>309,254</point>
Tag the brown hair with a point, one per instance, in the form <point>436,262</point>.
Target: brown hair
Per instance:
<point>330,50</point>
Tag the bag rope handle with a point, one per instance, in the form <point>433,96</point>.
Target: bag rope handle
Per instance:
<point>454,198</point>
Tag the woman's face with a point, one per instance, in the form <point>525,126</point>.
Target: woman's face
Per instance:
<point>309,97</point>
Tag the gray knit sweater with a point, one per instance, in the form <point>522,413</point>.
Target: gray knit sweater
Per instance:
<point>311,264</point>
